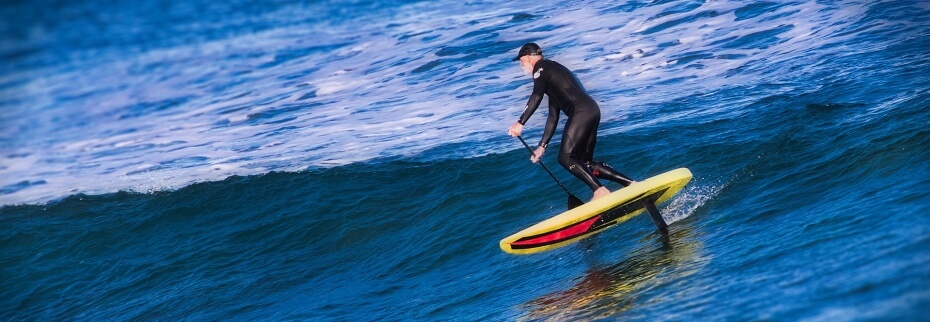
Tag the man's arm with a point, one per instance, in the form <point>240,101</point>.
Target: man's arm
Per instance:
<point>551,122</point>
<point>540,80</point>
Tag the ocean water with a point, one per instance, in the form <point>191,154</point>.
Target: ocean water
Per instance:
<point>242,160</point>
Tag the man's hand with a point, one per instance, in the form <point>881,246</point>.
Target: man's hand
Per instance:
<point>537,154</point>
<point>515,130</point>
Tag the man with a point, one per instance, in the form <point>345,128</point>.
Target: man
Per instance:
<point>580,134</point>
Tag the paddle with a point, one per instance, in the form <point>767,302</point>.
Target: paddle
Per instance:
<point>572,200</point>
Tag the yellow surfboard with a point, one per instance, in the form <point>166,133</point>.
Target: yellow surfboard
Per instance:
<point>596,215</point>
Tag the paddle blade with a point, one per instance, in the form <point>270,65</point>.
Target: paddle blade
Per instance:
<point>574,202</point>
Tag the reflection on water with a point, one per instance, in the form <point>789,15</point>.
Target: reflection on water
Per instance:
<point>608,289</point>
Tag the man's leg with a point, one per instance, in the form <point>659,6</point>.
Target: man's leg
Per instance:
<point>600,169</point>
<point>575,140</point>
<point>604,171</point>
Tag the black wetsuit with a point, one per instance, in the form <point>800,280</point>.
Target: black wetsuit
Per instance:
<point>566,94</point>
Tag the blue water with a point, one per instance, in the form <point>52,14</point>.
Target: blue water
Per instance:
<point>241,160</point>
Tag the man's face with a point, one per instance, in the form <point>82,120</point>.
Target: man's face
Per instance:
<point>526,65</point>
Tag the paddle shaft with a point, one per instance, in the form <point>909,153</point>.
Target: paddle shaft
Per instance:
<point>527,146</point>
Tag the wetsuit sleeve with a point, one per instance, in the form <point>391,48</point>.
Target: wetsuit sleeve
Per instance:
<point>551,122</point>
<point>539,89</point>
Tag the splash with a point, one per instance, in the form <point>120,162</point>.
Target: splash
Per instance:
<point>687,202</point>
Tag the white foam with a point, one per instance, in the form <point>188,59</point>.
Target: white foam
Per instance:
<point>689,200</point>
<point>368,100</point>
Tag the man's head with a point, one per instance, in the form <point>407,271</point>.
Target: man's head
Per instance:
<point>529,54</point>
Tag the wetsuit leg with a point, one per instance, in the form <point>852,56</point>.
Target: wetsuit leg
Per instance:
<point>600,169</point>
<point>588,153</point>
<point>604,171</point>
<point>575,141</point>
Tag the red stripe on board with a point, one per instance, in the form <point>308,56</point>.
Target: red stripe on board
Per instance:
<point>577,229</point>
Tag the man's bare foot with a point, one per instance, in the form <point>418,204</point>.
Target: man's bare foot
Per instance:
<point>600,192</point>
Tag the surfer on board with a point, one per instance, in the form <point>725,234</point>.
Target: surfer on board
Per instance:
<point>566,95</point>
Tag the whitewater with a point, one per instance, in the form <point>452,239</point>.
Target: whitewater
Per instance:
<point>154,110</point>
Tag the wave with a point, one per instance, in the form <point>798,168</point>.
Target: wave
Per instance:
<point>350,238</point>
<point>304,166</point>
<point>397,220</point>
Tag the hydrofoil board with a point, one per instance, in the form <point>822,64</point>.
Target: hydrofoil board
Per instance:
<point>594,216</point>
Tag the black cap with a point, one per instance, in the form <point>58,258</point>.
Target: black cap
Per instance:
<point>529,49</point>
